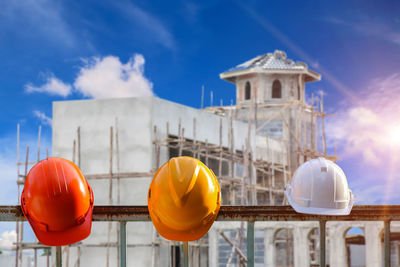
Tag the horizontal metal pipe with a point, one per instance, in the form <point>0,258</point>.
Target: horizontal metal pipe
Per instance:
<point>232,213</point>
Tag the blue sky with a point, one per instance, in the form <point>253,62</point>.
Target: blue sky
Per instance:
<point>52,50</point>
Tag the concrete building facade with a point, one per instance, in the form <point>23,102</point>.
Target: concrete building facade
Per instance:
<point>253,148</point>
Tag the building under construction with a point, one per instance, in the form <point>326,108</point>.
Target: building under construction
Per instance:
<point>253,147</point>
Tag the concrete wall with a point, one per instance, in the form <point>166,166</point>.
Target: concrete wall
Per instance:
<point>261,87</point>
<point>293,89</point>
<point>271,150</point>
<point>95,117</point>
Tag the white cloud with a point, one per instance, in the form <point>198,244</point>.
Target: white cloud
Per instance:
<point>7,239</point>
<point>371,127</point>
<point>99,77</point>
<point>108,77</point>
<point>43,118</point>
<point>52,86</point>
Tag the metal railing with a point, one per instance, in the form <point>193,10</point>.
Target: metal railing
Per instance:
<point>251,214</point>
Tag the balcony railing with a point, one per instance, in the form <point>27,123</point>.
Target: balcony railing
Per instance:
<point>251,214</point>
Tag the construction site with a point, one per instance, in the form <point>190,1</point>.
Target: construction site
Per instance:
<point>253,146</point>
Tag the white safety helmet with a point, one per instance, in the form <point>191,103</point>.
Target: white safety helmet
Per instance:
<point>319,186</point>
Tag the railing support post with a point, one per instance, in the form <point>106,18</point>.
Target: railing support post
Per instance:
<point>58,257</point>
<point>250,244</point>
<point>185,254</point>
<point>322,242</point>
<point>387,243</point>
<point>122,244</point>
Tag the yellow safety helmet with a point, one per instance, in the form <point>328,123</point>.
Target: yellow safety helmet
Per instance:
<point>184,199</point>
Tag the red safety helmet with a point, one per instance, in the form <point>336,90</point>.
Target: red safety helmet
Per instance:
<point>58,202</point>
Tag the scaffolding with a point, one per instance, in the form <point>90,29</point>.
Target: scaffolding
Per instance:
<point>253,175</point>
<point>260,175</point>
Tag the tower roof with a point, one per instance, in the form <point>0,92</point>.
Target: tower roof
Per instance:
<point>271,63</point>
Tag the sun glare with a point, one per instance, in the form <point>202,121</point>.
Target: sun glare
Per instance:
<point>394,135</point>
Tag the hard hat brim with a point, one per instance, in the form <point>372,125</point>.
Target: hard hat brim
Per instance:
<point>192,234</point>
<point>184,236</point>
<point>319,211</point>
<point>66,237</point>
